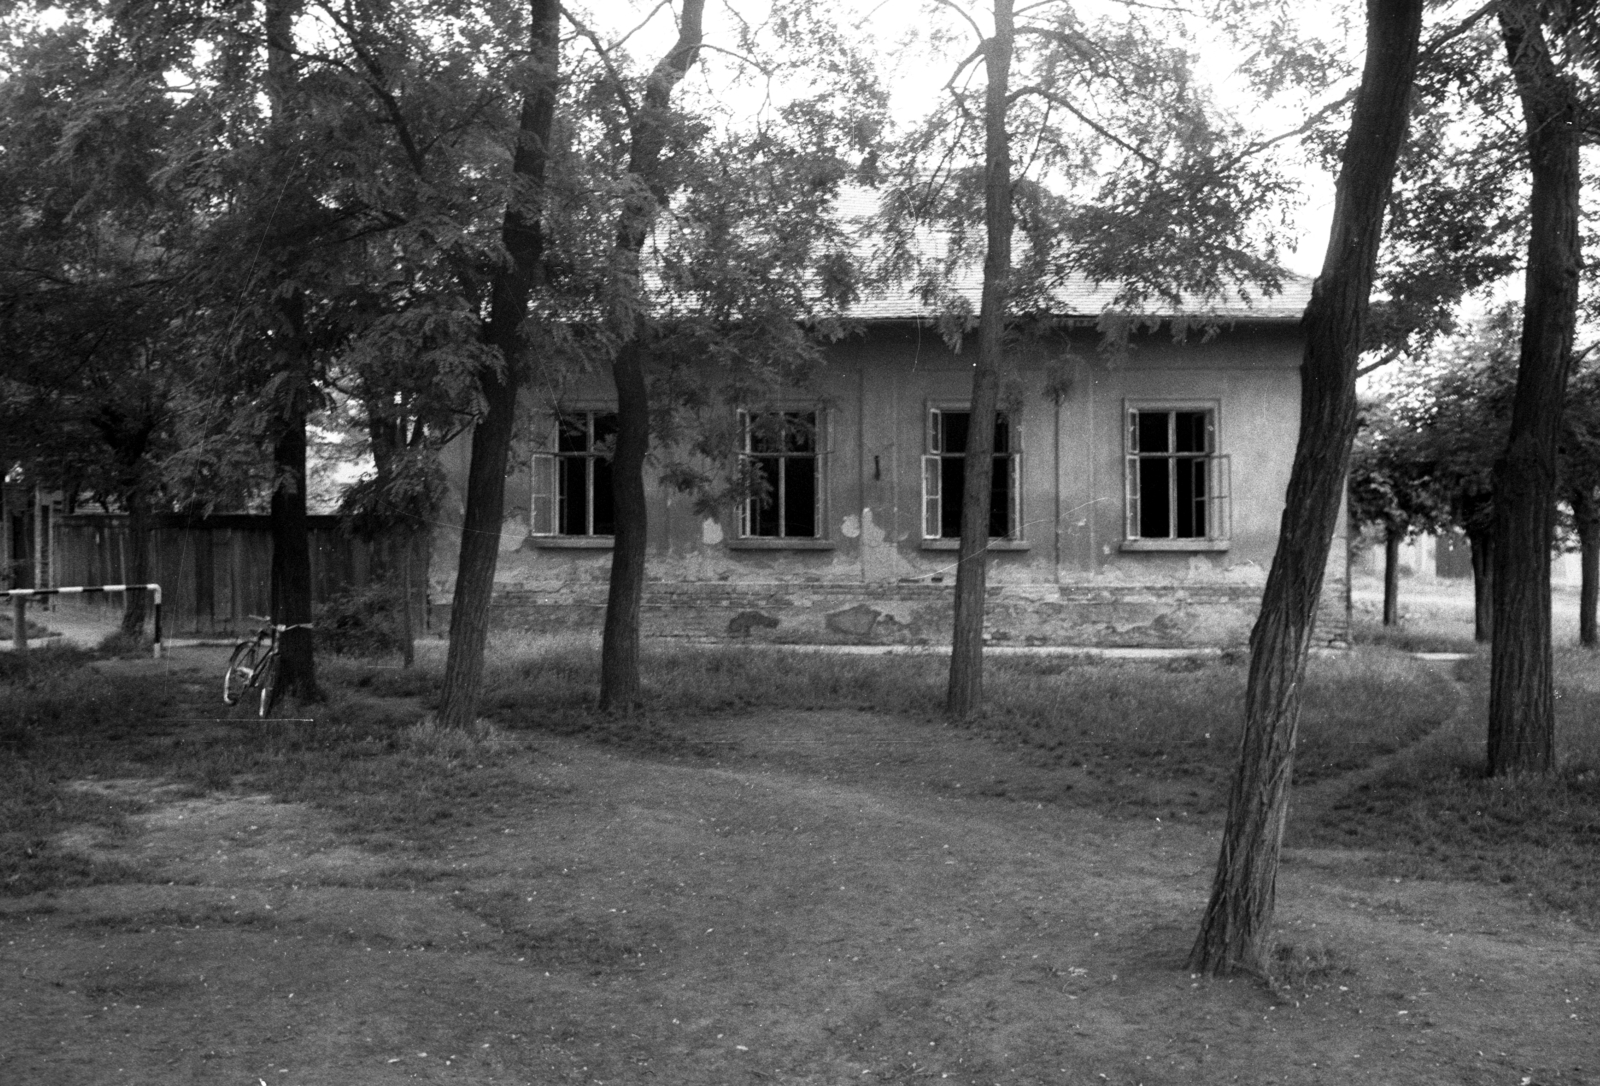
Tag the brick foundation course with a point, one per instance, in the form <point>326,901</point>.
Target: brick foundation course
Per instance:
<point>1122,616</point>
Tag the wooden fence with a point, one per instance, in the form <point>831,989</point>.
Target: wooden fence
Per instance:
<point>213,571</point>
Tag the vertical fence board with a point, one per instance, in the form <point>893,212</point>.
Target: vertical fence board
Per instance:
<point>214,571</point>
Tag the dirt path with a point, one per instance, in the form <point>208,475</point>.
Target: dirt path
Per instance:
<point>842,898</point>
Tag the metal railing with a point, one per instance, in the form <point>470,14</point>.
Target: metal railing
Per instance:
<point>19,598</point>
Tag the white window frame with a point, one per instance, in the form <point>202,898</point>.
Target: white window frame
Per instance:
<point>821,448</point>
<point>548,501</point>
<point>933,458</point>
<point>1218,499</point>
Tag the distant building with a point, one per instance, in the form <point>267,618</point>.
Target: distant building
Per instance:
<point>1137,502</point>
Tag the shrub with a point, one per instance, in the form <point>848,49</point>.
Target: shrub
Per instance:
<point>362,622</point>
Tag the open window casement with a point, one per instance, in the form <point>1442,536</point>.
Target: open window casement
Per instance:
<point>789,452</point>
<point>1219,516</point>
<point>932,475</point>
<point>943,467</point>
<point>1176,486</point>
<point>542,466</point>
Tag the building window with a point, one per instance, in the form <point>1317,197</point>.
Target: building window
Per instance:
<point>1177,483</point>
<point>782,468</point>
<point>944,476</point>
<point>572,486</point>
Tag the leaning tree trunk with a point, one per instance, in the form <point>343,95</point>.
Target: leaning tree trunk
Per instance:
<point>619,646</point>
<point>965,694</point>
<point>1586,516</point>
<point>1233,932</point>
<point>1521,683</point>
<point>1392,535</point>
<point>1482,545</point>
<point>522,233</point>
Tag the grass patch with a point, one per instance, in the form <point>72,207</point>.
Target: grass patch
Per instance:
<point>1152,732</point>
<point>62,721</point>
<point>1131,722</point>
<point>1539,835</point>
<point>55,713</point>
<point>8,628</point>
<point>1412,635</point>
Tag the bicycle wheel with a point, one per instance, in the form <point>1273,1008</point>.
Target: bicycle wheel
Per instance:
<point>241,669</point>
<point>268,681</point>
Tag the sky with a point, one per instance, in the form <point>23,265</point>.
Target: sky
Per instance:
<point>917,68</point>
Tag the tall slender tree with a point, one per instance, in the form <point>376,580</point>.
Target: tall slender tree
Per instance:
<point>650,126</point>
<point>1521,682</point>
<point>964,695</point>
<point>1233,932</point>
<point>1128,178</point>
<point>523,272</point>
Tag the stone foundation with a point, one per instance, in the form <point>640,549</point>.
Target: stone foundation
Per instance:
<point>1122,616</point>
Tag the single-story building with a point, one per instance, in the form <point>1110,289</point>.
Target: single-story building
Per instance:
<point>1137,495</point>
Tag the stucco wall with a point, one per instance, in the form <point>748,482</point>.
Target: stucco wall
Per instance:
<point>1070,580</point>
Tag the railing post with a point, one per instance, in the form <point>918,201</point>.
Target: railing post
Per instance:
<point>19,621</point>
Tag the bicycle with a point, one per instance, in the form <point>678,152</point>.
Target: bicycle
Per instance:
<point>254,663</point>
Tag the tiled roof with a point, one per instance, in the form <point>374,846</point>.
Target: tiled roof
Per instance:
<point>1077,297</point>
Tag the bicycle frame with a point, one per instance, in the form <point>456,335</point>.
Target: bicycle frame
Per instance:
<point>254,665</point>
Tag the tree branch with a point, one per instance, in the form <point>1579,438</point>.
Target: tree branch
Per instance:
<point>1106,133</point>
<point>618,86</point>
<point>976,29</point>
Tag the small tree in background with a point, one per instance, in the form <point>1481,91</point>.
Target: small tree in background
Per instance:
<point>1392,486</point>
<point>1094,147</point>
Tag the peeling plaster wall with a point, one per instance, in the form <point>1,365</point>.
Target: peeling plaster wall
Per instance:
<point>872,579</point>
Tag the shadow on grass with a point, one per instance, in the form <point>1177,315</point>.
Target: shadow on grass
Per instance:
<point>1436,806</point>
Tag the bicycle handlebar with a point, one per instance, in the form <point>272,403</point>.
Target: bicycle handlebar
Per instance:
<point>280,628</point>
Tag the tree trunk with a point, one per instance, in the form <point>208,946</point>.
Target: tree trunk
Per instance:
<point>619,647</point>
<point>965,695</point>
<point>291,561</point>
<point>137,568</point>
<point>1521,684</point>
<point>408,633</point>
<point>619,650</point>
<point>1392,535</point>
<point>1233,933</point>
<point>1482,543</point>
<point>1586,515</point>
<point>523,235</point>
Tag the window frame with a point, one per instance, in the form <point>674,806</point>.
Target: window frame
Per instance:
<point>548,500</point>
<point>745,511</point>
<point>1218,499</point>
<point>933,457</point>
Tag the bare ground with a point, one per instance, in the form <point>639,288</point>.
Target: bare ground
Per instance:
<point>841,898</point>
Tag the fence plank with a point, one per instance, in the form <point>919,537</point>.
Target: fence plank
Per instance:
<point>214,571</point>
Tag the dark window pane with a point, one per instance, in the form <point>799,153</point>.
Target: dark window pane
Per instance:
<point>574,495</point>
<point>800,432</point>
<point>800,497</point>
<point>954,425</point>
<point>605,432</point>
<point>1153,432</point>
<point>604,498</point>
<point>573,434</point>
<point>952,484</point>
<point>766,434</point>
<point>1000,498</point>
<point>764,489</point>
<point>1191,499</point>
<point>1191,428</point>
<point>1154,493</point>
<point>1002,433</point>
